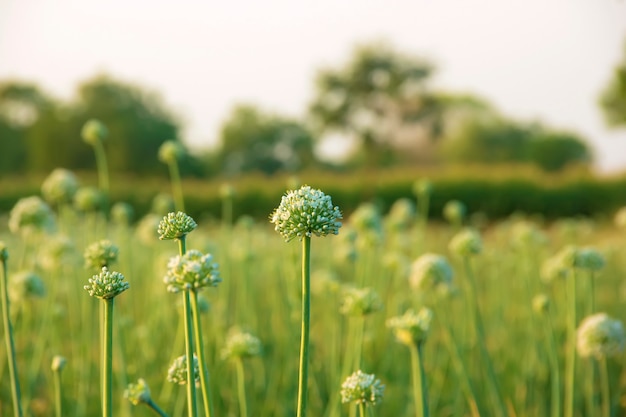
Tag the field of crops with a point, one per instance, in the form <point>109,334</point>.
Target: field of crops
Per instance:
<point>506,299</point>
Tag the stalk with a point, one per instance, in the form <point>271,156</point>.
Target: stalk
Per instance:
<point>58,398</point>
<point>156,408</point>
<point>204,372</point>
<point>177,188</point>
<point>570,359</point>
<point>420,393</point>
<point>103,169</point>
<point>604,387</point>
<point>192,410</point>
<point>306,317</point>
<point>555,380</point>
<point>361,409</point>
<point>241,388</point>
<point>107,358</point>
<point>8,337</point>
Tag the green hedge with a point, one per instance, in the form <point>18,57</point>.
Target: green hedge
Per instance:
<point>495,192</point>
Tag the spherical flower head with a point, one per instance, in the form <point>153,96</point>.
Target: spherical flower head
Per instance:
<point>59,187</point>
<point>401,214</point>
<point>175,226</point>
<point>58,363</point>
<point>362,388</point>
<point>411,328</point>
<point>25,285</point>
<point>240,344</point>
<point>107,284</point>
<point>360,301</point>
<point>555,268</point>
<point>146,230</point>
<point>93,132</point>
<point>177,373</point>
<point>422,188</point>
<point>590,259</point>
<point>526,234</point>
<point>227,191</point>
<point>99,254</point>
<point>430,271</point>
<point>171,151</point>
<point>31,215</point>
<point>192,271</point>
<point>138,393</point>
<point>366,218</point>
<point>541,303</point>
<point>454,211</point>
<point>306,212</point>
<point>467,242</point>
<point>89,199</point>
<point>600,336</point>
<point>122,213</point>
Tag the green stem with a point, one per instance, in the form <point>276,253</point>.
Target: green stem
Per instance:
<point>570,359</point>
<point>420,391</point>
<point>555,400</point>
<point>191,380</point>
<point>306,317</point>
<point>361,409</point>
<point>177,188</point>
<point>103,170</point>
<point>156,408</point>
<point>107,359</point>
<point>241,388</point>
<point>10,345</point>
<point>604,386</point>
<point>204,372</point>
<point>58,398</point>
<point>182,245</point>
<point>480,330</point>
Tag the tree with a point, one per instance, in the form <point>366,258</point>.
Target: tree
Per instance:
<point>553,151</point>
<point>381,99</point>
<point>251,140</point>
<point>613,97</point>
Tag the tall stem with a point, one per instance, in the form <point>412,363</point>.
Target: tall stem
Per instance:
<point>103,169</point>
<point>555,379</point>
<point>156,408</point>
<point>8,338</point>
<point>177,188</point>
<point>241,388</point>
<point>58,398</point>
<point>306,317</point>
<point>192,410</point>
<point>420,392</point>
<point>570,360</point>
<point>361,409</point>
<point>107,358</point>
<point>604,386</point>
<point>204,371</point>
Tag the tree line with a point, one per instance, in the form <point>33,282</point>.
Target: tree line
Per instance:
<point>380,99</point>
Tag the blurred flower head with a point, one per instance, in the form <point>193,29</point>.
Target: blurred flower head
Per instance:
<point>411,328</point>
<point>401,214</point>
<point>162,204</point>
<point>177,373</point>
<point>171,151</point>
<point>192,271</point>
<point>24,285</point>
<point>430,271</point>
<point>59,187</point>
<point>31,215</point>
<point>362,388</point>
<point>454,211</point>
<point>94,131</point>
<point>122,213</point>
<point>99,254</point>
<point>58,363</point>
<point>89,199</point>
<point>467,242</point>
<point>306,212</point>
<point>360,301</point>
<point>240,344</point>
<point>600,336</point>
<point>138,393</point>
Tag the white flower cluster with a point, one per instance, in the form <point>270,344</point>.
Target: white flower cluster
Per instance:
<point>430,271</point>
<point>99,254</point>
<point>360,301</point>
<point>411,328</point>
<point>107,284</point>
<point>31,214</point>
<point>570,257</point>
<point>175,226</point>
<point>466,243</point>
<point>362,388</point>
<point>59,187</point>
<point>193,270</point>
<point>177,373</point>
<point>600,336</point>
<point>240,344</point>
<point>306,212</point>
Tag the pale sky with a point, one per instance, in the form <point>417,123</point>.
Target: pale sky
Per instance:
<point>543,60</point>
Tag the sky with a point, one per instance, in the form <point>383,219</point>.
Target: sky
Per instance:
<point>534,60</point>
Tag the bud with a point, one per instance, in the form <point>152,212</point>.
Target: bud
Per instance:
<point>422,188</point>
<point>466,243</point>
<point>430,271</point>
<point>59,187</point>
<point>106,285</point>
<point>175,226</point>
<point>29,215</point>
<point>100,254</point>
<point>171,151</point>
<point>93,132</point>
<point>122,213</point>
<point>89,199</point>
<point>240,344</point>
<point>454,211</point>
<point>24,285</point>
<point>401,214</point>
<point>411,329</point>
<point>360,301</point>
<point>138,393</point>
<point>227,191</point>
<point>58,363</point>
<point>162,204</point>
<point>541,303</point>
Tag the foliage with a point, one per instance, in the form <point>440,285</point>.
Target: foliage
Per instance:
<point>251,140</point>
<point>613,97</point>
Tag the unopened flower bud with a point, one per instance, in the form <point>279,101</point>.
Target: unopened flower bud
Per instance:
<point>430,271</point>
<point>58,363</point>
<point>466,243</point>
<point>94,131</point>
<point>240,344</point>
<point>100,253</point>
<point>175,226</point>
<point>360,301</point>
<point>107,284</point>
<point>138,393</point>
<point>171,151</point>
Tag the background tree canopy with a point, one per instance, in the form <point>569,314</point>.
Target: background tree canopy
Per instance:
<point>613,98</point>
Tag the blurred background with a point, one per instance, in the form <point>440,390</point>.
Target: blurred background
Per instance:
<point>285,86</point>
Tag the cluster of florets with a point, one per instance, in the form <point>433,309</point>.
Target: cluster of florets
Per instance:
<point>600,336</point>
<point>107,284</point>
<point>590,259</point>
<point>401,214</point>
<point>430,271</point>
<point>411,328</point>
<point>177,373</point>
<point>367,222</point>
<point>99,254</point>
<point>360,301</point>
<point>138,393</point>
<point>31,214</point>
<point>241,344</point>
<point>569,258</point>
<point>171,151</point>
<point>466,243</point>
<point>175,226</point>
<point>192,271</point>
<point>362,388</point>
<point>306,212</point>
<point>60,186</point>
